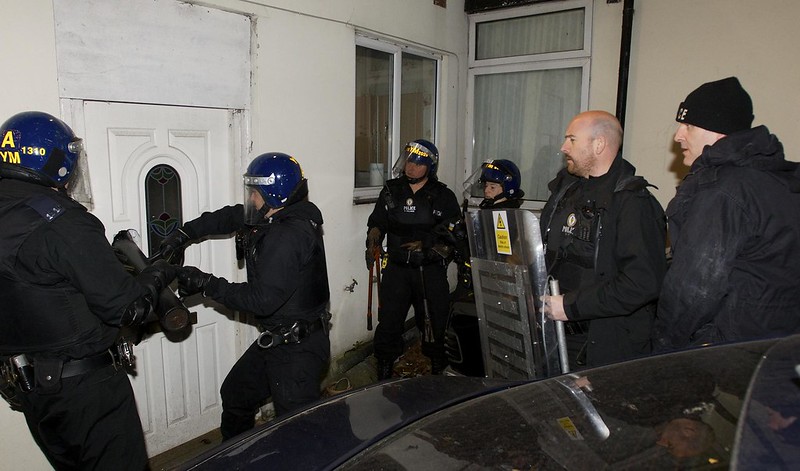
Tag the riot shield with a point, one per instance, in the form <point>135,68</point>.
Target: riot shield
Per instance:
<point>509,278</point>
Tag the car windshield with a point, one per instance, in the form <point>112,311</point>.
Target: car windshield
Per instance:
<point>676,411</point>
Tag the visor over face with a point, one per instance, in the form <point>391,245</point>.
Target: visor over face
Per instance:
<point>420,152</point>
<point>255,208</point>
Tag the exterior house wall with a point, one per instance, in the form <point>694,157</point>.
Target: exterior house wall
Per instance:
<point>303,87</point>
<point>681,44</point>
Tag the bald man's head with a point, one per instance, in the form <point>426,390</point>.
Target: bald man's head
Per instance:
<point>591,143</point>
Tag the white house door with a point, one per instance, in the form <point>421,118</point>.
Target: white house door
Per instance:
<point>176,383</point>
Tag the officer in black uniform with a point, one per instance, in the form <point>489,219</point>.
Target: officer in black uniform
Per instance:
<point>417,213</point>
<point>280,233</point>
<point>65,295</point>
<point>604,236</point>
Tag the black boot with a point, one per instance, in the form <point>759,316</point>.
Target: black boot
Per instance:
<point>384,369</point>
<point>438,364</point>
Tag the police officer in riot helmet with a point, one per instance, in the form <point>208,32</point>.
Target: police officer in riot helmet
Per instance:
<point>417,214</point>
<point>499,180</point>
<point>65,296</point>
<point>280,237</point>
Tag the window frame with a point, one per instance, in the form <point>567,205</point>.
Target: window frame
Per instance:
<point>369,194</point>
<point>524,63</point>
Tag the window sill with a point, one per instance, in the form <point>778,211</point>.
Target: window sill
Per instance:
<point>366,195</point>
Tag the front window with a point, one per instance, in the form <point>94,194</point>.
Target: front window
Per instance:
<point>529,75</point>
<point>396,99</point>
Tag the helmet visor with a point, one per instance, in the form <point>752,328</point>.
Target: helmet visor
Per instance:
<point>254,206</point>
<point>492,173</point>
<point>77,179</point>
<point>416,153</point>
<point>473,185</point>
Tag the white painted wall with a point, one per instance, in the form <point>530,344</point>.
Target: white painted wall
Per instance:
<point>28,55</point>
<point>303,86</point>
<point>303,104</point>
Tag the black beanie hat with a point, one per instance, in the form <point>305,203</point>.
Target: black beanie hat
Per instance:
<point>722,106</point>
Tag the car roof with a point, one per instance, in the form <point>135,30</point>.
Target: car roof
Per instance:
<point>680,409</point>
<point>330,431</point>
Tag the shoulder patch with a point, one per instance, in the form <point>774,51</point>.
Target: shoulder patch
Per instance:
<point>47,207</point>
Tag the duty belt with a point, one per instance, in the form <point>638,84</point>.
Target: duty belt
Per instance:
<point>19,369</point>
<point>85,365</point>
<point>282,334</point>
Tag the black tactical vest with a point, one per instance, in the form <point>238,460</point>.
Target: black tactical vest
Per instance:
<point>411,215</point>
<point>573,237</point>
<point>575,227</point>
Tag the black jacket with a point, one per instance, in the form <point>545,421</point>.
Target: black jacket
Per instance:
<point>287,277</point>
<point>405,216</point>
<point>735,230</point>
<point>616,275</point>
<point>63,291</point>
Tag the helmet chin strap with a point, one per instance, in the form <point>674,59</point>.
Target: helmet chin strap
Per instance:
<point>261,214</point>
<point>414,181</point>
<point>488,202</point>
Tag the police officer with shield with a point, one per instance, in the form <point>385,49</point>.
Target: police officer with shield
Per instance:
<point>65,296</point>
<point>417,214</point>
<point>499,183</point>
<point>280,236</point>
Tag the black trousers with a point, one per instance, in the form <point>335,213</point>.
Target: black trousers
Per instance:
<point>291,374</point>
<point>401,287</point>
<point>90,424</point>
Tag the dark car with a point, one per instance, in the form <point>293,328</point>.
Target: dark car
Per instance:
<point>728,406</point>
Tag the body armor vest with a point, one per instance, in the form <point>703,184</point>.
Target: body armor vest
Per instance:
<point>573,239</point>
<point>575,228</point>
<point>411,215</point>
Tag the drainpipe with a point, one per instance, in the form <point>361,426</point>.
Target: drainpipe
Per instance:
<point>624,60</point>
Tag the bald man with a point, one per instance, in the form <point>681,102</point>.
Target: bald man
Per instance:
<point>604,236</point>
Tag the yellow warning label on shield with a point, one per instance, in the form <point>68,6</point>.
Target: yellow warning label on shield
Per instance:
<point>569,427</point>
<point>501,236</point>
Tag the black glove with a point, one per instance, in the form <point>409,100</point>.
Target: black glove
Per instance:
<point>191,281</point>
<point>172,247</point>
<point>157,276</point>
<point>415,255</point>
<point>440,252</point>
<point>374,247</point>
